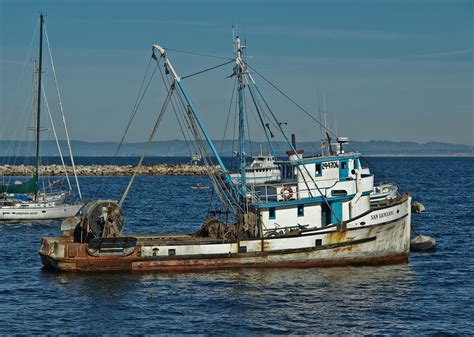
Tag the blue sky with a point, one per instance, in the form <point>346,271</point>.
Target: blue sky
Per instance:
<point>390,70</point>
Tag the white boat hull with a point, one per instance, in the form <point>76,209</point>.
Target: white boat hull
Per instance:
<point>21,213</point>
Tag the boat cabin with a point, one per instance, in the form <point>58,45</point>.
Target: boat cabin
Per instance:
<point>314,192</point>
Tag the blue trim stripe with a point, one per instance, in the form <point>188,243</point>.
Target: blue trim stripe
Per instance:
<point>313,160</point>
<point>309,201</point>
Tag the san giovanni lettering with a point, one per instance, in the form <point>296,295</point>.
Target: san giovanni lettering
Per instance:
<point>381,215</point>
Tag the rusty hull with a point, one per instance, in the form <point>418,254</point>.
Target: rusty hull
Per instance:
<point>341,248</point>
<point>85,262</point>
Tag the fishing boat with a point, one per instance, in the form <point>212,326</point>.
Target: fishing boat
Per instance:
<point>24,200</point>
<point>317,214</point>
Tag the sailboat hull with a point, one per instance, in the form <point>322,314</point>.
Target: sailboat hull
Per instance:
<point>23,213</point>
<point>382,241</point>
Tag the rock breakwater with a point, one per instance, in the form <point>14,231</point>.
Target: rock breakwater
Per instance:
<point>109,170</point>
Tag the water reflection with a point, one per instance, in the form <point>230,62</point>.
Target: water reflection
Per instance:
<point>259,298</point>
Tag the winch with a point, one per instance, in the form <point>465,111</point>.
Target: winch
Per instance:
<point>98,219</point>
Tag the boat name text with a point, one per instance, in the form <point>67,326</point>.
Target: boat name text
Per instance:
<point>381,215</point>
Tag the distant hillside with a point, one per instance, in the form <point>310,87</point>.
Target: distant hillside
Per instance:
<point>174,148</point>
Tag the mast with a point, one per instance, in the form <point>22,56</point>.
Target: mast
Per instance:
<point>38,99</point>
<point>239,69</point>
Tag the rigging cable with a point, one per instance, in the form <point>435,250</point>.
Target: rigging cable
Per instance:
<point>261,120</point>
<point>17,87</point>
<point>136,105</point>
<point>304,110</point>
<point>188,118</point>
<point>200,145</point>
<point>228,114</point>
<point>215,179</point>
<point>206,70</point>
<point>175,104</point>
<point>56,138</point>
<point>198,54</point>
<point>63,118</point>
<point>150,138</point>
<point>299,160</point>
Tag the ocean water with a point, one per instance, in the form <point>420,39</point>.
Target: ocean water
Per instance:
<point>432,294</point>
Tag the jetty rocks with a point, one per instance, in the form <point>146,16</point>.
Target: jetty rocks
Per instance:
<point>111,170</point>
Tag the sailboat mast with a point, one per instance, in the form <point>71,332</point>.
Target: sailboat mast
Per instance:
<point>38,99</point>
<point>239,71</point>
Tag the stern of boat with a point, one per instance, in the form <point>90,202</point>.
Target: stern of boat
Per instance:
<point>53,251</point>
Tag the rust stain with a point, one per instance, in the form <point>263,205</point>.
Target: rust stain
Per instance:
<point>337,237</point>
<point>75,250</point>
<point>266,245</point>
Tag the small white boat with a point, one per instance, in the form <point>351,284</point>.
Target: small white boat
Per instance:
<point>384,191</point>
<point>200,187</point>
<point>261,170</point>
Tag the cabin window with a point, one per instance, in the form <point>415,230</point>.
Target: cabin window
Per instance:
<point>300,210</point>
<point>338,193</point>
<point>171,252</point>
<point>318,169</point>
<point>271,213</point>
<point>318,242</point>
<point>344,164</point>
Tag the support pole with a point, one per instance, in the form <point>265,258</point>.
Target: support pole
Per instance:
<point>38,106</point>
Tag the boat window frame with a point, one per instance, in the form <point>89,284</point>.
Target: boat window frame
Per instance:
<point>300,210</point>
<point>272,213</point>
<point>318,173</point>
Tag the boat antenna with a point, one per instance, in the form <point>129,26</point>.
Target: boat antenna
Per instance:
<point>321,145</point>
<point>325,111</point>
<point>233,37</point>
<point>325,115</point>
<point>38,100</point>
<point>329,143</point>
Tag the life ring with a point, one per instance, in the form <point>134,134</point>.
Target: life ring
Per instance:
<point>286,192</point>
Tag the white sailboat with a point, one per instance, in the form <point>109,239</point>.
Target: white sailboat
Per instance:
<point>25,201</point>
